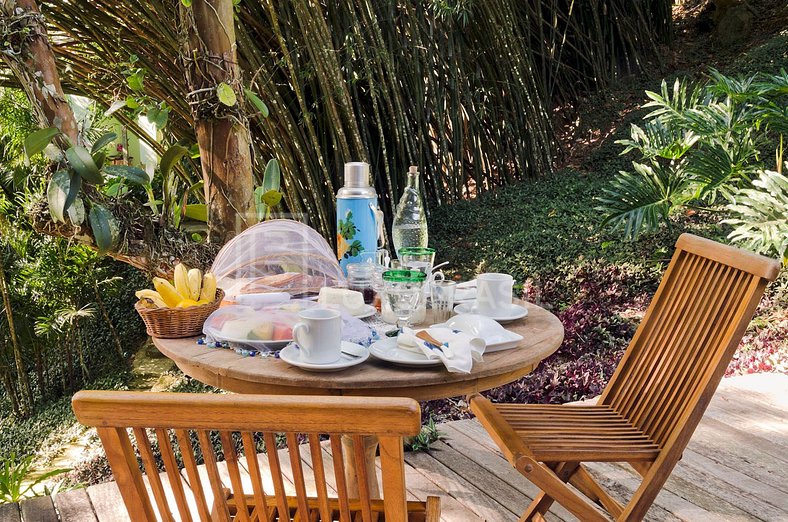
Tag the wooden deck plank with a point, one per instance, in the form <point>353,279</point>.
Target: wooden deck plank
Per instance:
<point>733,481</point>
<point>39,509</point>
<point>464,491</point>
<point>10,512</point>
<point>107,502</point>
<point>714,492</point>
<point>746,413</point>
<point>767,388</point>
<point>752,455</point>
<point>622,481</point>
<point>503,493</point>
<point>74,506</point>
<point>421,486</point>
<point>463,436</point>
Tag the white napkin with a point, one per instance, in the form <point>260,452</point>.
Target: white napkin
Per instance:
<point>458,350</point>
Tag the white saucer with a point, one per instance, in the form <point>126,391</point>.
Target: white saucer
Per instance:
<point>292,355</point>
<point>388,350</point>
<point>367,311</point>
<point>515,312</point>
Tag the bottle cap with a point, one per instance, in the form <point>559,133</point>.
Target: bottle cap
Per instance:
<point>413,169</point>
<point>356,174</point>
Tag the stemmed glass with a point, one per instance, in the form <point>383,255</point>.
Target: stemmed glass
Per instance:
<point>403,290</point>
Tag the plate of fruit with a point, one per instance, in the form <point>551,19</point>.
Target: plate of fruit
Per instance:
<point>266,328</point>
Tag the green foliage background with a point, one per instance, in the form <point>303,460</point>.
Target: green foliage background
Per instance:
<point>463,88</point>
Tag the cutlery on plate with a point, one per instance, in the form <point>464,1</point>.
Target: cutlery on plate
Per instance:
<point>424,336</point>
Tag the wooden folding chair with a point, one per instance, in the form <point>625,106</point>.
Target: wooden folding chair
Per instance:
<point>189,424</point>
<point>655,399</point>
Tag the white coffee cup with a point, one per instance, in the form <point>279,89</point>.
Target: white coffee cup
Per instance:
<point>494,294</point>
<point>319,335</point>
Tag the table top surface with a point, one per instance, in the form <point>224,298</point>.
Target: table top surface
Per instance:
<point>541,330</point>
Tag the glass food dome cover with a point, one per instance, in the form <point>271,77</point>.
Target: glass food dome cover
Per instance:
<point>277,256</point>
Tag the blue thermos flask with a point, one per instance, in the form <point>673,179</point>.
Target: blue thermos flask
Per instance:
<point>357,215</point>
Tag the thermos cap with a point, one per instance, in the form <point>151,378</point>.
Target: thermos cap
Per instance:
<point>356,174</point>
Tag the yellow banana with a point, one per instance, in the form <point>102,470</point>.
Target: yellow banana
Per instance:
<point>167,292</point>
<point>195,283</point>
<point>208,287</point>
<point>186,303</point>
<point>182,279</point>
<point>153,296</point>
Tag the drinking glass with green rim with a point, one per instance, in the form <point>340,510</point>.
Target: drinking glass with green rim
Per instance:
<point>403,289</point>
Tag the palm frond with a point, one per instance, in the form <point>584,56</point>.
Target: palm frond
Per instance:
<point>657,140</point>
<point>640,201</point>
<point>761,215</point>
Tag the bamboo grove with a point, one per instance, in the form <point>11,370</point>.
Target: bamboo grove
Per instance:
<point>463,88</point>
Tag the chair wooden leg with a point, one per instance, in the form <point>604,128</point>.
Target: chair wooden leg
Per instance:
<point>549,481</point>
<point>433,511</point>
<point>542,502</point>
<point>584,482</point>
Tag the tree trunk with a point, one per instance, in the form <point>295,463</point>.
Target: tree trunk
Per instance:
<point>222,130</point>
<point>5,376</point>
<point>25,395</point>
<point>34,66</point>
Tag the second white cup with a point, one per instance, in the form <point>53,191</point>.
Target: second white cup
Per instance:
<point>319,335</point>
<point>494,293</point>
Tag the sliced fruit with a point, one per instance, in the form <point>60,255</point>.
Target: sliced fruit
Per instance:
<point>195,283</point>
<point>186,303</point>
<point>208,290</point>
<point>167,292</point>
<point>182,279</point>
<point>151,295</point>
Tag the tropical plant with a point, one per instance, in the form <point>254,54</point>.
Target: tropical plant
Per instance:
<point>429,434</point>
<point>15,479</point>
<point>700,145</point>
<point>760,215</point>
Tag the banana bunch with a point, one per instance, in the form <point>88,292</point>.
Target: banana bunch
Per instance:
<point>189,288</point>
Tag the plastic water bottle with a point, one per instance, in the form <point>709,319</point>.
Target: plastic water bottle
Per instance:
<point>410,220</point>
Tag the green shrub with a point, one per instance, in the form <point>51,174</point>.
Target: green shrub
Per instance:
<point>536,230</point>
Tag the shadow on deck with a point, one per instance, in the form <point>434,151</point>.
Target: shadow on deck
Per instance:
<point>735,468</point>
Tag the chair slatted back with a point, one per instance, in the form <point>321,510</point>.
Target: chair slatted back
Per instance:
<point>688,336</point>
<point>275,488</point>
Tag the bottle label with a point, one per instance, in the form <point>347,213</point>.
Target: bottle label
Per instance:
<point>357,229</point>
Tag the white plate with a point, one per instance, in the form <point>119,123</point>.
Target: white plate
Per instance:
<point>367,311</point>
<point>292,355</point>
<point>495,336</point>
<point>515,312</point>
<point>388,350</point>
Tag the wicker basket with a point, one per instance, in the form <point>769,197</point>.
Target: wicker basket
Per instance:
<point>175,323</point>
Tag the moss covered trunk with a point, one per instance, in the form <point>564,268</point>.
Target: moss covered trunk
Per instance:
<point>215,96</point>
<point>31,60</point>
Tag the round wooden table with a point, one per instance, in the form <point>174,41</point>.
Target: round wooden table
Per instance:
<point>541,330</point>
<point>542,335</point>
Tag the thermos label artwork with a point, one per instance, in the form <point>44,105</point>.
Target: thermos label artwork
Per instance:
<point>356,229</point>
<point>357,204</point>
